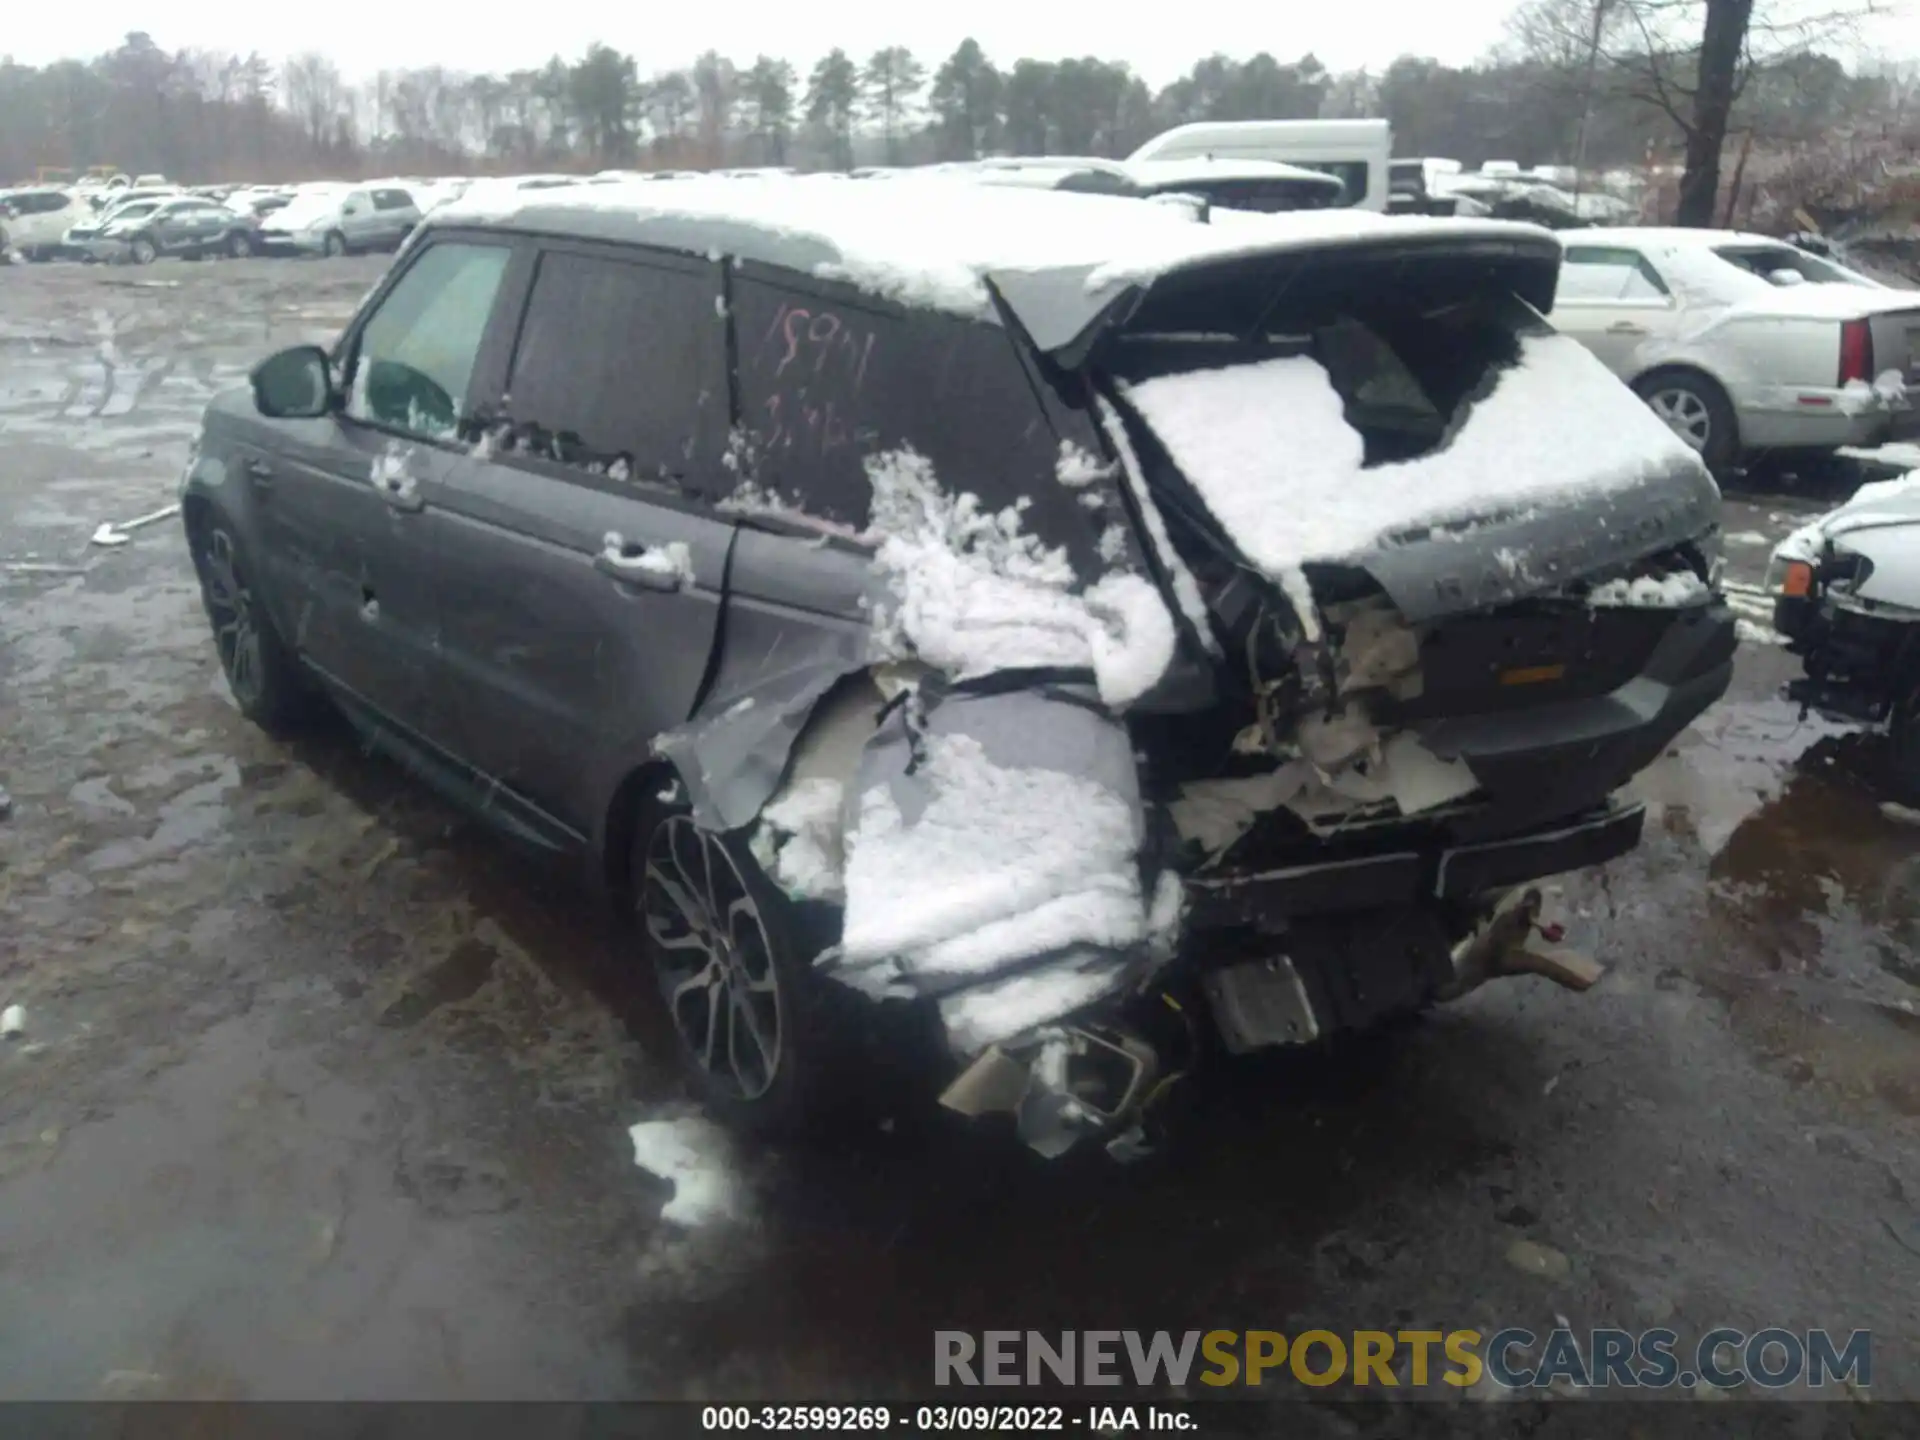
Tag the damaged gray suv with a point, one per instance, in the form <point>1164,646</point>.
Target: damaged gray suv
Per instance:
<point>1013,609</point>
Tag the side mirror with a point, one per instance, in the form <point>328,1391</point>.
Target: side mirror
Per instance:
<point>295,384</point>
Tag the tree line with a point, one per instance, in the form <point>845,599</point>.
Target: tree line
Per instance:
<point>1572,78</point>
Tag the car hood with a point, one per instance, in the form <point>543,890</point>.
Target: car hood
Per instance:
<point>1881,505</point>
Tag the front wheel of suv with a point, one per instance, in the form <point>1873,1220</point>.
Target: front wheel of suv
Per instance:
<point>261,671</point>
<point>335,245</point>
<point>142,251</point>
<point>733,960</point>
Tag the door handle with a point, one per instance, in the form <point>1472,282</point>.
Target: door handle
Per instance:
<point>633,563</point>
<point>401,493</point>
<point>259,474</point>
<point>1626,327</point>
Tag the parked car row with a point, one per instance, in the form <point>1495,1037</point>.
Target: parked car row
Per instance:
<point>140,224</point>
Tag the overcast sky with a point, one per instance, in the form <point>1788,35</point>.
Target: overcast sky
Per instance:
<point>1160,41</point>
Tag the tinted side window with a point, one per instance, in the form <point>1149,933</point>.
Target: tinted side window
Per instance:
<point>827,380</point>
<point>623,360</point>
<point>1592,272</point>
<point>415,354</point>
<point>391,200</point>
<point>1353,174</point>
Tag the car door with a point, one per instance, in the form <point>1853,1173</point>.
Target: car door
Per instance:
<point>43,219</point>
<point>1613,300</point>
<point>348,501</point>
<point>582,572</point>
<point>170,228</point>
<point>359,222</point>
<point>395,214</point>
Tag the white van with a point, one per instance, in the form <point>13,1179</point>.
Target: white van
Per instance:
<point>1356,151</point>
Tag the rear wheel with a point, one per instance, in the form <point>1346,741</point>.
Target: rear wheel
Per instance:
<point>1696,410</point>
<point>262,673</point>
<point>142,251</point>
<point>732,958</point>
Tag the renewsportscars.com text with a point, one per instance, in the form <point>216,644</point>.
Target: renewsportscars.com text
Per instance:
<point>1771,1358</point>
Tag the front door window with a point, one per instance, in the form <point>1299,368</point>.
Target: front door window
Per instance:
<point>416,352</point>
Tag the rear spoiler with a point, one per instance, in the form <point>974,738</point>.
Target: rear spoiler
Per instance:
<point>1066,310</point>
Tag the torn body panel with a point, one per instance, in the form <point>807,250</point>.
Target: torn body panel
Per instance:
<point>993,858</point>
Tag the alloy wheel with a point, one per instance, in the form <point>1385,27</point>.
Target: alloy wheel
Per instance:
<point>1686,415</point>
<point>713,957</point>
<point>236,630</point>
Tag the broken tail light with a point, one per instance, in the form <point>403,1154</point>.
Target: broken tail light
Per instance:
<point>1856,352</point>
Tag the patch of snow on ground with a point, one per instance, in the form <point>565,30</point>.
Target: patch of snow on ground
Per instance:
<point>1745,537</point>
<point>1752,633</point>
<point>973,593</point>
<point>695,1154</point>
<point>1002,863</point>
<point>1646,592</point>
<point>1269,449</point>
<point>1901,454</point>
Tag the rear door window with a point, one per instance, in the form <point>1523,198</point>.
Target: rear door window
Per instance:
<point>391,200</point>
<point>621,367</point>
<point>830,379</point>
<point>414,357</point>
<point>1593,272</point>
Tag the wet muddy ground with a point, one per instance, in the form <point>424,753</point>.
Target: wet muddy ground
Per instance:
<point>324,1092</point>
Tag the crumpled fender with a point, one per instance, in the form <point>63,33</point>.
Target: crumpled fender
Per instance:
<point>993,858</point>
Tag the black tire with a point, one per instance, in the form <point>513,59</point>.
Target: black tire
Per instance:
<point>1698,411</point>
<point>142,251</point>
<point>239,247</point>
<point>334,246</point>
<point>711,925</point>
<point>266,680</point>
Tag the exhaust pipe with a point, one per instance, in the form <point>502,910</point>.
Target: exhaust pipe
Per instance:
<point>1067,1082</point>
<point>1513,941</point>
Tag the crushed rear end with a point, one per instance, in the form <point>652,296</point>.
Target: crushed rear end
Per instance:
<point>1445,587</point>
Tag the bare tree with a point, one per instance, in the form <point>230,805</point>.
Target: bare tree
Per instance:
<point>315,95</point>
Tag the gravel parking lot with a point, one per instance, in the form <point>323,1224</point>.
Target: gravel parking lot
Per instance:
<point>323,1092</point>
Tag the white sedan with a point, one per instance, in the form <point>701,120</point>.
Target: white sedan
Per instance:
<point>1742,343</point>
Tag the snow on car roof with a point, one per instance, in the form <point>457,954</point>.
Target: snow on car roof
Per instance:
<point>1164,172</point>
<point>1679,237</point>
<point>936,251</point>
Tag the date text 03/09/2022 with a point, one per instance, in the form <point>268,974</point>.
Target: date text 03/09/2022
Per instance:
<point>990,1419</point>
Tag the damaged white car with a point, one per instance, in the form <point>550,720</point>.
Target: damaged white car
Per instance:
<point>1846,591</point>
<point>1018,610</point>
